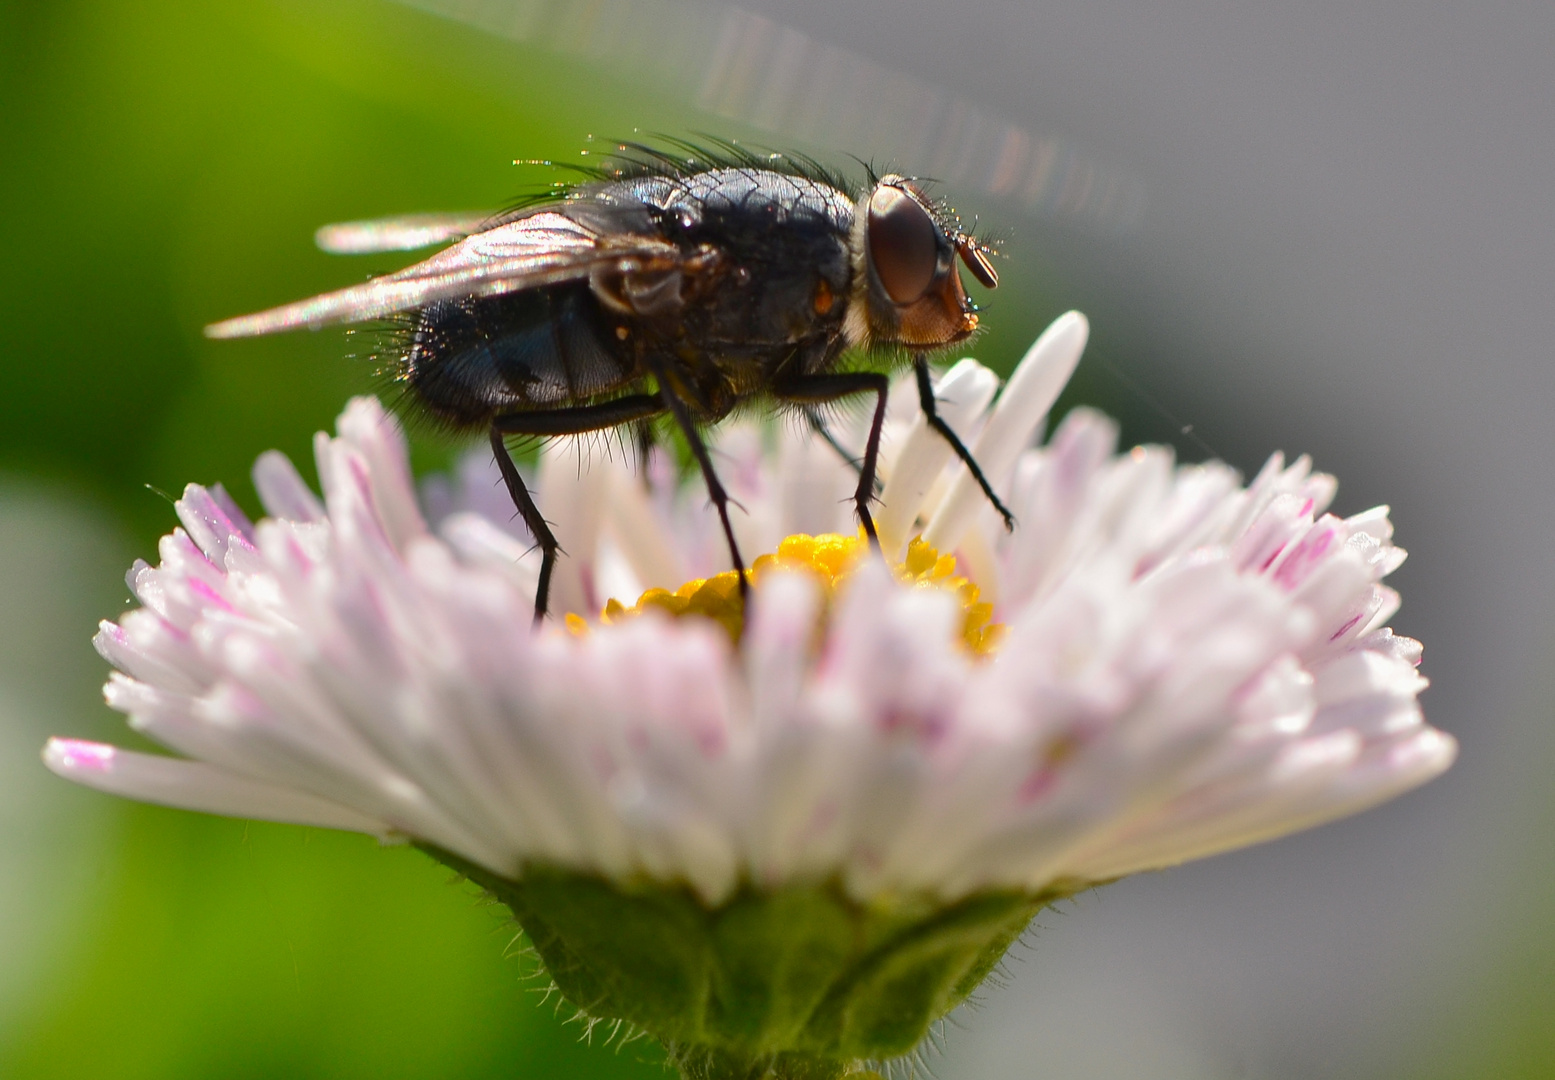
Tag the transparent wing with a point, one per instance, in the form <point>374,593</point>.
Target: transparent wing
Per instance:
<point>406,233</point>
<point>545,248</point>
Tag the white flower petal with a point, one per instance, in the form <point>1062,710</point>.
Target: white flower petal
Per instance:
<point>1188,665</point>
<point>1030,393</point>
<point>282,489</point>
<point>916,468</point>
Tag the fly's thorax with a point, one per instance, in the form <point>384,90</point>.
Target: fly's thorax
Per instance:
<point>783,273</point>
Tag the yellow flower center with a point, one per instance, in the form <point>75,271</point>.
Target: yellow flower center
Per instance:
<point>832,558</point>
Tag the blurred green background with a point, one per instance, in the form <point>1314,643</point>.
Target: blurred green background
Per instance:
<point>164,164</point>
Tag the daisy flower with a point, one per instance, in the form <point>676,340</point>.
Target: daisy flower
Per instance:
<point>784,840</point>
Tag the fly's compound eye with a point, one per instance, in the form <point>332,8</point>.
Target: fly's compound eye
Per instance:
<point>903,244</point>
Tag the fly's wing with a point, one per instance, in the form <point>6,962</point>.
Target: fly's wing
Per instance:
<point>545,248</point>
<point>406,233</point>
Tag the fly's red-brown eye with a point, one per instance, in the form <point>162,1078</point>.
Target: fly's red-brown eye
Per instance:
<point>903,244</point>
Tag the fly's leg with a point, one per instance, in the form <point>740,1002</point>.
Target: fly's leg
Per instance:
<point>643,436</point>
<point>818,425</point>
<point>819,389</point>
<point>931,414</point>
<point>538,528</point>
<point>715,489</point>
<point>544,422</point>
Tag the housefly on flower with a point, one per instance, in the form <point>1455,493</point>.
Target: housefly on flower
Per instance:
<point>686,284</point>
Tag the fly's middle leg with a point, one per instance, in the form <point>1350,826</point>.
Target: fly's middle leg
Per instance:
<point>715,488</point>
<point>818,389</point>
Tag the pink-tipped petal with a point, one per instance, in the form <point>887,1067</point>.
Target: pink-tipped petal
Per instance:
<point>192,785</point>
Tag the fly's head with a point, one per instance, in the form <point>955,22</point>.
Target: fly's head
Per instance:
<point>906,289</point>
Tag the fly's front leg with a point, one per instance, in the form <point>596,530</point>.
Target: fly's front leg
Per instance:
<point>819,389</point>
<point>544,422</point>
<point>931,414</point>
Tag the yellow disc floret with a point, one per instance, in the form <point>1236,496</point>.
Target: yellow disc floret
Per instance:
<point>832,558</point>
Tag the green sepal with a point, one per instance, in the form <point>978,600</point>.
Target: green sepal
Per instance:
<point>794,983</point>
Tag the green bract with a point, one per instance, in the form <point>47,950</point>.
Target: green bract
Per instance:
<point>798,982</point>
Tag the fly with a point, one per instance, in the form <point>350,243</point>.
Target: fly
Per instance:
<point>685,286</point>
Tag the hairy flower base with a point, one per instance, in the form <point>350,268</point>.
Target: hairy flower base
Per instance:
<point>832,559</point>
<point>798,982</point>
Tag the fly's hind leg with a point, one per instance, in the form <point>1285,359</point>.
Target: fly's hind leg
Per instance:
<point>533,520</point>
<point>544,422</point>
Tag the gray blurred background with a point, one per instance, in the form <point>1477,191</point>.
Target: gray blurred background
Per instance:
<point>1322,228</point>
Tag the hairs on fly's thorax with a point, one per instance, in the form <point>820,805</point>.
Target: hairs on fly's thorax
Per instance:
<point>670,156</point>
<point>627,161</point>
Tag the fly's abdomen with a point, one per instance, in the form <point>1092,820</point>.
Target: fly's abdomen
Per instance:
<point>474,358</point>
